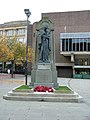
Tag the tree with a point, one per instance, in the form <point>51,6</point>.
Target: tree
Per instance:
<point>5,53</point>
<point>19,50</point>
<point>14,51</point>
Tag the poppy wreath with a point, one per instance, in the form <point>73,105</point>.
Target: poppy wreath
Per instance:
<point>43,89</point>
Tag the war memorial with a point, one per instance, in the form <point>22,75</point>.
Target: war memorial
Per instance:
<point>44,69</point>
<point>44,74</point>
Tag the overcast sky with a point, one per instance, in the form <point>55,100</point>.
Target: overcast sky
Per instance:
<point>12,10</point>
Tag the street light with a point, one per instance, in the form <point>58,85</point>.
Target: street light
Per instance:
<point>28,13</point>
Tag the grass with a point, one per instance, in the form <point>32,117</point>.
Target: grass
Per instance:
<point>24,87</point>
<point>63,89</point>
<point>60,89</point>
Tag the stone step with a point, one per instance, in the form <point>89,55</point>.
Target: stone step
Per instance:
<point>46,99</point>
<point>42,94</point>
<point>39,96</point>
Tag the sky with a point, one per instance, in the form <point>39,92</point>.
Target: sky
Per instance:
<point>13,10</point>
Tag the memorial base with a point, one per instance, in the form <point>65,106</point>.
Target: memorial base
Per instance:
<point>45,75</point>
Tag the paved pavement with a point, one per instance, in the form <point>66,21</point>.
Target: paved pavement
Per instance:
<point>8,76</point>
<point>27,110</point>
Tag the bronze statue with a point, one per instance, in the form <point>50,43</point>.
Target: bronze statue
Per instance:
<point>44,45</point>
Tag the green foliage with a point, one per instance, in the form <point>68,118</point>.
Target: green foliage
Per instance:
<point>17,48</point>
<point>14,50</point>
<point>5,52</point>
<point>63,89</point>
<point>23,87</point>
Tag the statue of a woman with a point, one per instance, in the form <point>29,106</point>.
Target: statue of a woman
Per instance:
<point>44,46</point>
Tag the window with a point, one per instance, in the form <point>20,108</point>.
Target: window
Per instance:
<point>89,44</point>
<point>21,31</point>
<point>70,44</point>
<point>77,44</point>
<point>85,44</point>
<point>81,45</point>
<point>1,32</point>
<point>63,46</point>
<point>66,44</point>
<point>73,45</point>
<point>82,61</point>
<point>9,32</point>
<point>75,41</point>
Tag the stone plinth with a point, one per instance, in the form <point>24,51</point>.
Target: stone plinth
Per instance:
<point>44,74</point>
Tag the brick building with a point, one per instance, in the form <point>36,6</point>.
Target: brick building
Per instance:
<point>72,42</point>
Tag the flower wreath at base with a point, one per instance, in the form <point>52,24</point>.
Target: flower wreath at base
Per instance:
<point>43,89</point>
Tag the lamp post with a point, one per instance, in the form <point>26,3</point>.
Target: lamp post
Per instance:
<point>28,13</point>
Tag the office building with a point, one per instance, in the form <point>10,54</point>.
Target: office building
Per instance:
<point>72,42</point>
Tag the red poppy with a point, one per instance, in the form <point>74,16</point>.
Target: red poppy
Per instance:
<point>43,89</point>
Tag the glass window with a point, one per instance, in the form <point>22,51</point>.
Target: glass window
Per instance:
<point>89,44</point>
<point>1,32</point>
<point>21,31</point>
<point>73,43</point>
<point>63,46</point>
<point>82,61</point>
<point>85,62</point>
<point>84,44</point>
<point>76,62</point>
<point>81,44</point>
<point>88,62</point>
<point>70,44</point>
<point>77,44</point>
<point>66,44</point>
<point>9,32</point>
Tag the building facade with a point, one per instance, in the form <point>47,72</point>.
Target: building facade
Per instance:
<point>18,30</point>
<point>72,42</point>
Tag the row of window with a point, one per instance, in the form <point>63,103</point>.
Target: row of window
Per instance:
<point>20,31</point>
<point>75,44</point>
<point>82,62</point>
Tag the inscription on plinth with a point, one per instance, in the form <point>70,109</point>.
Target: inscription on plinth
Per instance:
<point>44,67</point>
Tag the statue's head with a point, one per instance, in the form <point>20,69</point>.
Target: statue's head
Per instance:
<point>45,27</point>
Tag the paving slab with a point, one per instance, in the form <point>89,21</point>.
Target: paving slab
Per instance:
<point>31,110</point>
